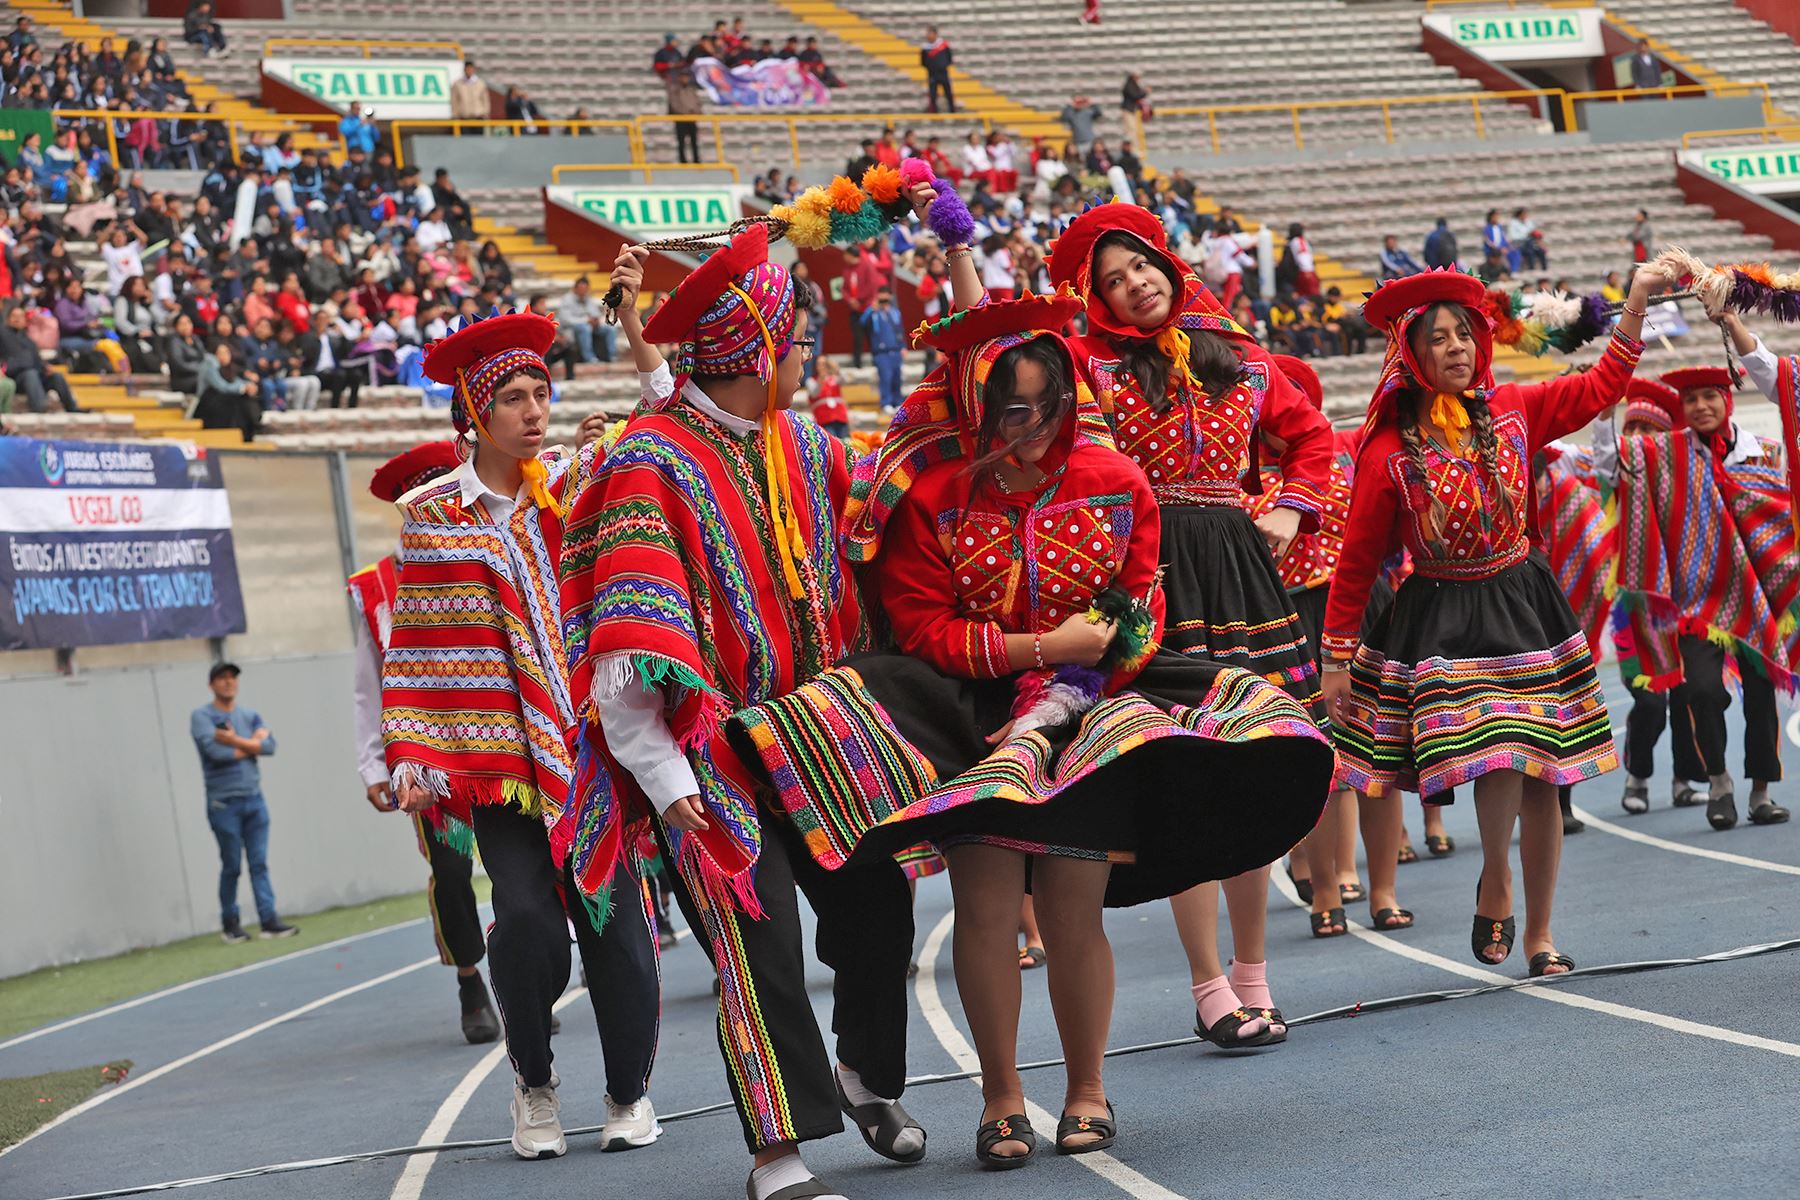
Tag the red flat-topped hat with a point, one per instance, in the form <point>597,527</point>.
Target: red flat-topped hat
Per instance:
<point>971,326</point>
<point>1686,379</point>
<point>1300,373</point>
<point>1397,299</point>
<point>410,468</point>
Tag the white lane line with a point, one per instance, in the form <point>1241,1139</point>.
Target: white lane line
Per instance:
<point>138,1081</point>
<point>411,1183</point>
<point>1554,994</point>
<point>951,1038</point>
<point>1632,835</point>
<point>194,983</point>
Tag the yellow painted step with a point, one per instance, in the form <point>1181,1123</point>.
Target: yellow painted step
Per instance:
<point>221,439</point>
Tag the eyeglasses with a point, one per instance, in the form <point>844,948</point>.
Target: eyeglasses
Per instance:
<point>806,346</point>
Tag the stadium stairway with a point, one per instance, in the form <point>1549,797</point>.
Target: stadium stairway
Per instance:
<point>1713,39</point>
<point>55,15</point>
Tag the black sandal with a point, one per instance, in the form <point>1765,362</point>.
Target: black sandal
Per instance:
<point>1686,796</point>
<point>1721,811</point>
<point>1767,813</point>
<point>1386,920</point>
<point>1016,1128</point>
<point>1323,922</point>
<point>880,1122</point>
<point>1543,960</point>
<point>1408,854</point>
<point>1107,1127</point>
<point>1636,799</point>
<point>806,1189</point>
<point>1273,1017</point>
<point>1303,887</point>
<point>1488,932</point>
<point>1352,893</point>
<point>1441,845</point>
<point>1223,1032</point>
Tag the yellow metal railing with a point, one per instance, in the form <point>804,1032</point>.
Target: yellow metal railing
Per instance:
<point>366,47</point>
<point>516,128</point>
<point>1386,105</point>
<point>649,169</point>
<point>255,123</point>
<point>964,123</point>
<point>1786,132</point>
<point>1621,95</point>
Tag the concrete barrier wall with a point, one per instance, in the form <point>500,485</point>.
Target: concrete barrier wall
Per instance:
<point>104,844</point>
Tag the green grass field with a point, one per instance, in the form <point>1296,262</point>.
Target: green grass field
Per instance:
<point>42,997</point>
<point>29,1102</point>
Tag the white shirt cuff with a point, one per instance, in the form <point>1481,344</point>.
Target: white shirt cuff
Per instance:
<point>658,384</point>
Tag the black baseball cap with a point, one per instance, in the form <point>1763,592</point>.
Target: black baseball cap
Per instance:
<point>224,668</point>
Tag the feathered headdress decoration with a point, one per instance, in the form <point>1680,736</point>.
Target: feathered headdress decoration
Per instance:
<point>1535,323</point>
<point>1735,287</point>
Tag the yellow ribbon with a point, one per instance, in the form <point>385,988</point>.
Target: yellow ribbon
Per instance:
<point>789,543</point>
<point>1175,346</point>
<point>533,470</point>
<point>1452,421</point>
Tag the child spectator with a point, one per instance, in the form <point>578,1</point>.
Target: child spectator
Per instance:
<point>828,407</point>
<point>887,344</point>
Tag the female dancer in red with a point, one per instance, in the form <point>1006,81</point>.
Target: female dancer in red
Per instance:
<point>1187,392</point>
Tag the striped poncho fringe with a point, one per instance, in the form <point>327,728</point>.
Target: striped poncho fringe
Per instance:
<point>1706,549</point>
<point>475,699</point>
<point>1582,542</point>
<point>667,568</point>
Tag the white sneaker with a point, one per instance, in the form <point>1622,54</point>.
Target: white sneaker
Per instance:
<point>537,1121</point>
<point>629,1126</point>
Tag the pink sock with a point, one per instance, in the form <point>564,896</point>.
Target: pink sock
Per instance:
<point>1251,982</point>
<point>1215,999</point>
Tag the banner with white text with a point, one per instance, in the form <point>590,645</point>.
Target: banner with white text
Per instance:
<point>113,542</point>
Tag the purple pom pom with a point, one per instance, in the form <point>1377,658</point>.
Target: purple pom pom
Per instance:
<point>1749,295</point>
<point>948,216</point>
<point>1784,306</point>
<point>1089,681</point>
<point>1595,312</point>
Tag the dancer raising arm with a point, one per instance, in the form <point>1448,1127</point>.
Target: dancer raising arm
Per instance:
<point>1479,673</point>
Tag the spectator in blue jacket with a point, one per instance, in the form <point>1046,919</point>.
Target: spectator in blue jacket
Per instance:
<point>887,344</point>
<point>231,740</point>
<point>1494,240</point>
<point>1395,262</point>
<point>359,130</point>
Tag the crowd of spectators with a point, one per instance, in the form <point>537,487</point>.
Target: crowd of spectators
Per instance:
<point>291,279</point>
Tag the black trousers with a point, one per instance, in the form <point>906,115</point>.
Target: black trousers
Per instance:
<point>38,387</point>
<point>687,141</point>
<point>935,84</point>
<point>528,951</point>
<point>1704,693</point>
<point>451,896</point>
<point>776,1064</point>
<point>336,382</point>
<point>1650,713</point>
<point>859,337</point>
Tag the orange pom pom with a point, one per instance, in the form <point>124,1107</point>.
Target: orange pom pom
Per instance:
<point>1760,272</point>
<point>1507,330</point>
<point>882,182</point>
<point>845,196</point>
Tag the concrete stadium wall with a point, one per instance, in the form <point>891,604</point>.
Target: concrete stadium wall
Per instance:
<point>103,815</point>
<point>1651,120</point>
<point>510,162</point>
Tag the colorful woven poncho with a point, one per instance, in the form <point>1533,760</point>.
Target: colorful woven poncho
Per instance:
<point>475,697</point>
<point>1579,537</point>
<point>668,558</point>
<point>1705,549</point>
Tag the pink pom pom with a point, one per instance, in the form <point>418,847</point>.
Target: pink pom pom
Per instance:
<point>914,170</point>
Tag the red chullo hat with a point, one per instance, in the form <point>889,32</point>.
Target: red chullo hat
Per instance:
<point>1654,403</point>
<point>410,468</point>
<point>1300,373</point>
<point>710,323</point>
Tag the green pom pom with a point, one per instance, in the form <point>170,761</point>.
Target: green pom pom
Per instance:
<point>859,226</point>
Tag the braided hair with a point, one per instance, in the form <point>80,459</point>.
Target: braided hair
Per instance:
<point>1481,421</point>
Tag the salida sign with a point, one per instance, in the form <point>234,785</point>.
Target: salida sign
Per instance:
<point>1766,170</point>
<point>1524,34</point>
<point>394,88</point>
<point>659,211</point>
